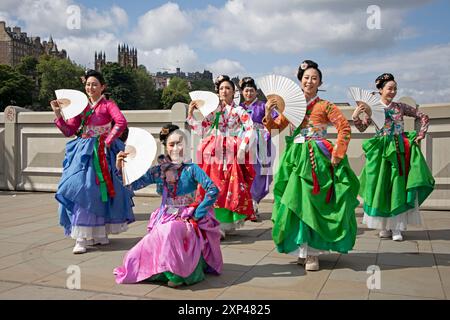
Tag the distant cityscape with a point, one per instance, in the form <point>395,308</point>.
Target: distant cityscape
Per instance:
<point>15,45</point>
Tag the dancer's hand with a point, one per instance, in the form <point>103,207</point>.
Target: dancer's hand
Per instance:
<point>335,161</point>
<point>56,108</point>
<point>192,106</point>
<point>418,139</point>
<point>362,108</point>
<point>120,159</point>
<point>271,104</point>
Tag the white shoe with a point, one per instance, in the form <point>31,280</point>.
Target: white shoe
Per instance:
<point>312,263</point>
<point>102,241</point>
<point>385,234</point>
<point>397,235</point>
<point>89,242</point>
<point>79,248</point>
<point>301,261</point>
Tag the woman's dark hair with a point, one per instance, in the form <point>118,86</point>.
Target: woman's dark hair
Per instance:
<point>221,79</point>
<point>305,65</point>
<point>95,74</point>
<point>381,81</point>
<point>166,131</point>
<point>247,82</point>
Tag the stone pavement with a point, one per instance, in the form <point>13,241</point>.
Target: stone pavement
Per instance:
<point>35,257</point>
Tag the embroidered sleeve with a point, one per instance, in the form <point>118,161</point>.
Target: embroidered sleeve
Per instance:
<point>201,128</point>
<point>69,127</point>
<point>120,123</point>
<point>417,114</point>
<point>337,118</point>
<point>278,123</point>
<point>361,125</point>
<point>247,125</point>
<point>211,191</point>
<point>153,175</point>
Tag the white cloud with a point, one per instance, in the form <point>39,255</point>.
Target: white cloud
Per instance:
<point>8,5</point>
<point>168,59</point>
<point>82,49</point>
<point>227,67</point>
<point>162,27</point>
<point>422,74</point>
<point>294,26</point>
<point>50,17</point>
<point>287,71</point>
<point>4,16</point>
<point>112,19</point>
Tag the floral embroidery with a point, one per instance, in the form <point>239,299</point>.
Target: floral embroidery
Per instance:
<point>95,131</point>
<point>394,123</point>
<point>235,121</point>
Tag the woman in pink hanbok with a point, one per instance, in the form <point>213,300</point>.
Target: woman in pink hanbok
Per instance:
<point>183,239</point>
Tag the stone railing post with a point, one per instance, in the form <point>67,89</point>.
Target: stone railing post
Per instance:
<point>12,146</point>
<point>179,114</point>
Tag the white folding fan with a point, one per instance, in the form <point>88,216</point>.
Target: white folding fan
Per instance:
<point>141,148</point>
<point>207,101</point>
<point>291,101</point>
<point>72,102</point>
<point>374,102</point>
<point>237,97</point>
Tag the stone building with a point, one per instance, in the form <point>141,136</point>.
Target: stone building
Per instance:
<point>15,44</point>
<point>126,57</point>
<point>162,79</point>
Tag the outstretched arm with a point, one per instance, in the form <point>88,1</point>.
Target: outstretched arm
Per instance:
<point>153,175</point>
<point>417,114</point>
<point>337,118</point>
<point>211,191</point>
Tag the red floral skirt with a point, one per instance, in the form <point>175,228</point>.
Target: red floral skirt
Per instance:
<point>217,156</point>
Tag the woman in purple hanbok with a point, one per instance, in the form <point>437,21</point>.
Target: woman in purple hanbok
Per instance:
<point>261,151</point>
<point>183,239</point>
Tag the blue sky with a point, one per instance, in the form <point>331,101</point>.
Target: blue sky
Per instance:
<point>258,37</point>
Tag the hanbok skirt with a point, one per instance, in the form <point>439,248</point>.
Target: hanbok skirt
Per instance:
<point>314,202</point>
<point>217,156</point>
<point>395,181</point>
<point>82,212</point>
<point>175,249</point>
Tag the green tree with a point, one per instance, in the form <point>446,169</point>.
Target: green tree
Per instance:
<point>145,87</point>
<point>56,73</point>
<point>15,88</point>
<point>121,86</point>
<point>176,91</point>
<point>203,85</point>
<point>28,67</point>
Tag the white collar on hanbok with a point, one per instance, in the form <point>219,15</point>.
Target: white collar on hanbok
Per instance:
<point>308,102</point>
<point>93,105</point>
<point>385,105</point>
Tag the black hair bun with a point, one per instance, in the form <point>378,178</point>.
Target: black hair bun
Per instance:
<point>221,79</point>
<point>305,65</point>
<point>383,79</point>
<point>247,82</point>
<point>95,74</point>
<point>166,131</point>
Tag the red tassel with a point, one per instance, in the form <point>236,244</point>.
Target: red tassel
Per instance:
<point>316,189</point>
<point>407,154</point>
<point>104,167</point>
